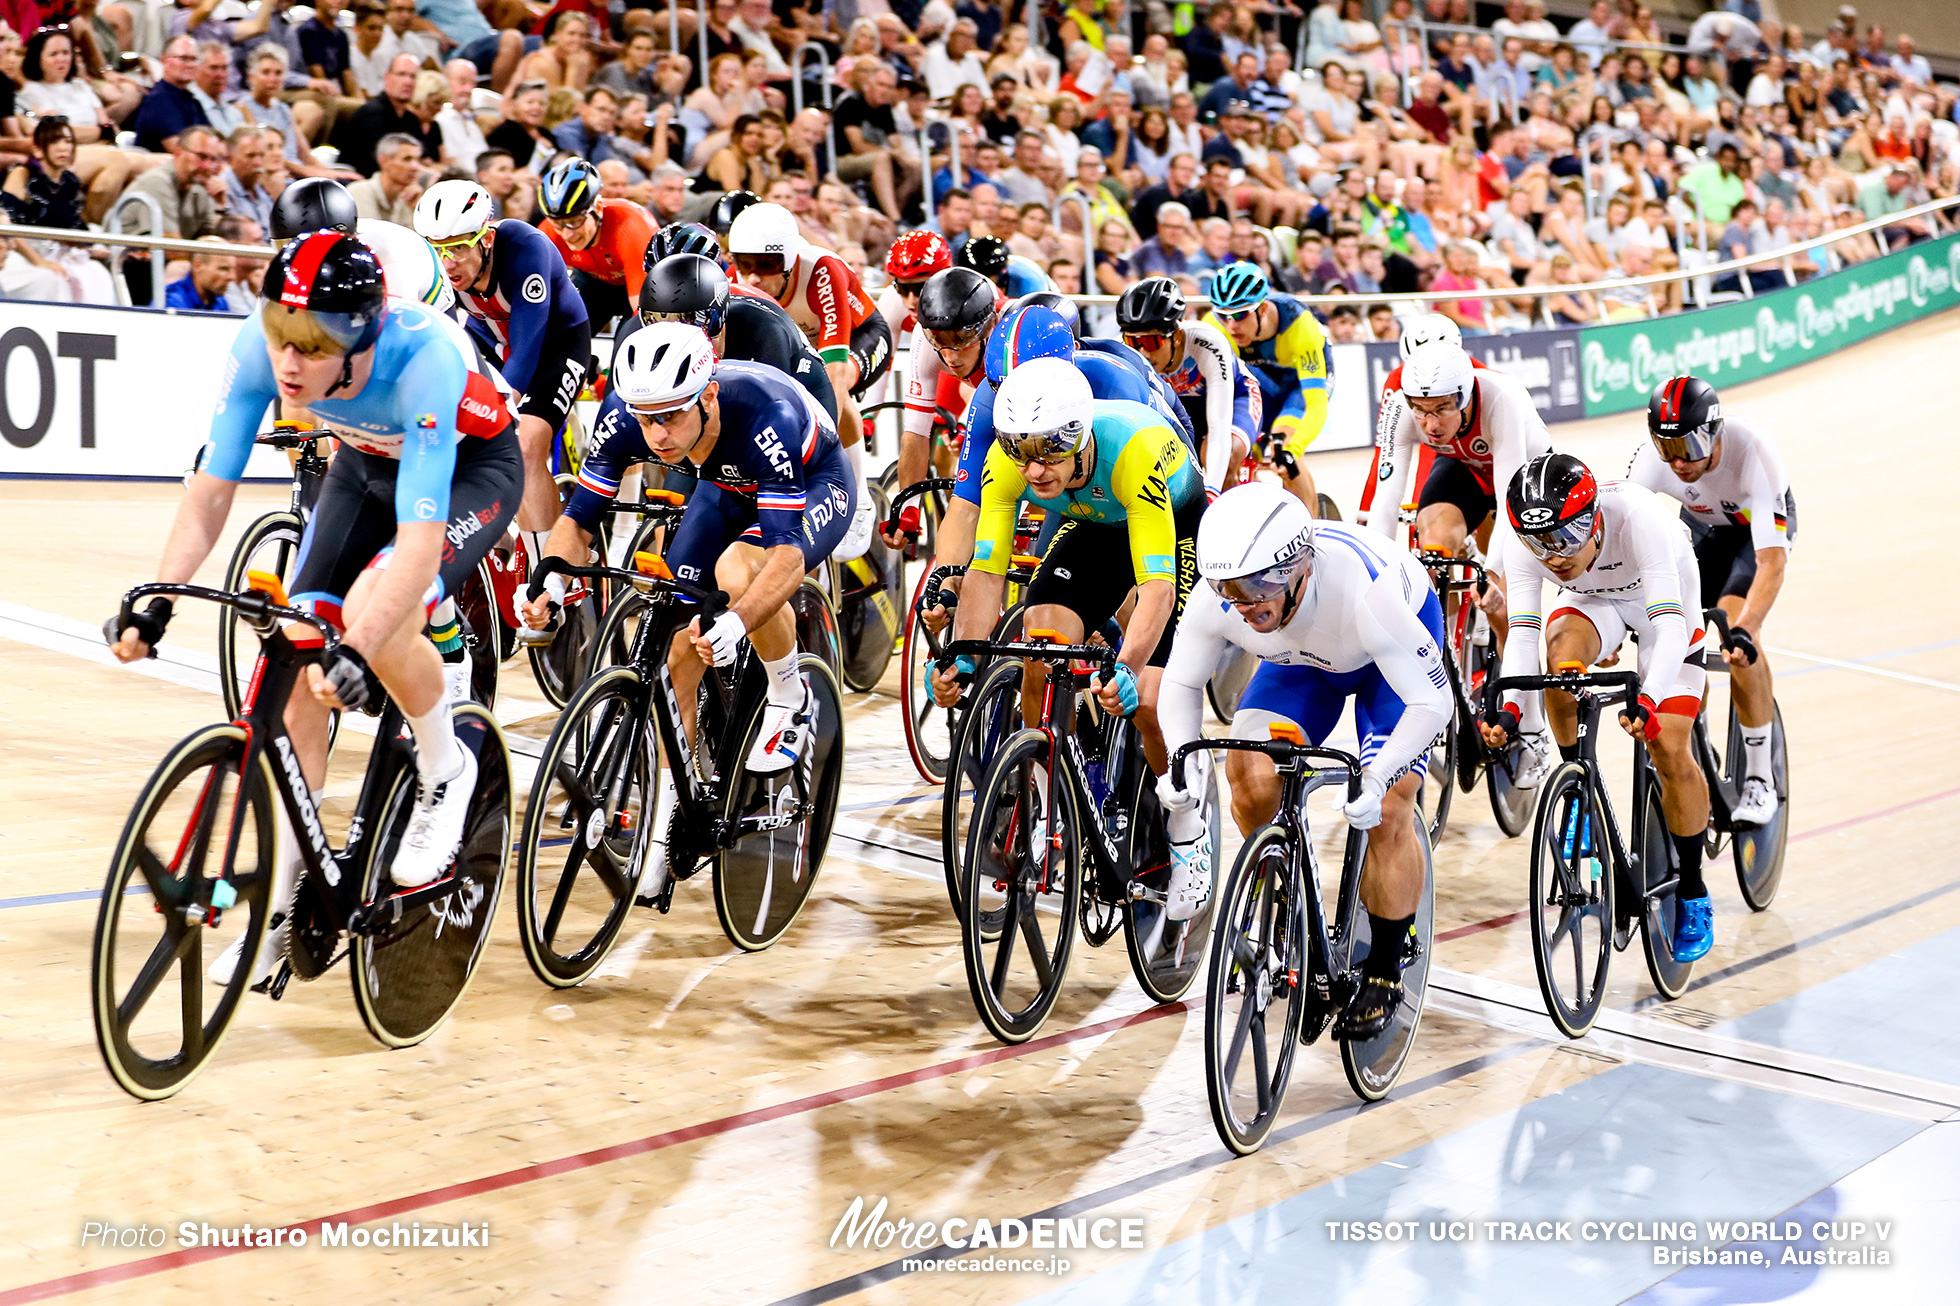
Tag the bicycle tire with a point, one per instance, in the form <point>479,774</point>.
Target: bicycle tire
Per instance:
<point>930,729</point>
<point>816,624</point>
<point>869,620</point>
<point>1510,805</point>
<point>989,715</point>
<point>1758,853</point>
<point>1569,810</point>
<point>1657,910</point>
<point>123,917</point>
<point>602,738</point>
<point>1374,1064</point>
<point>1000,877</point>
<point>281,532</point>
<point>755,903</point>
<point>1439,779</point>
<point>1227,683</point>
<point>476,605</point>
<point>409,976</point>
<point>1165,955</point>
<point>560,666</point>
<point>1258,953</point>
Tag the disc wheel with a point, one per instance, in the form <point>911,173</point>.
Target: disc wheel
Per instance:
<point>1016,874</point>
<point>1374,1064</point>
<point>816,624</point>
<point>159,924</point>
<point>476,606</point>
<point>929,728</point>
<point>868,616</point>
<point>1758,852</point>
<point>1255,997</point>
<point>1571,902</point>
<point>410,974</point>
<point>1439,780</point>
<point>1227,684</point>
<point>587,828</point>
<point>1165,955</point>
<point>1326,509</point>
<point>988,717</point>
<point>1509,804</point>
<point>1657,910</point>
<point>763,879</point>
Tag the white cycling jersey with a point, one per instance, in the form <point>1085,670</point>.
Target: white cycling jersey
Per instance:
<point>1361,605</point>
<point>1504,433</point>
<point>1644,572</point>
<point>891,307</point>
<point>1747,487</point>
<point>1209,364</point>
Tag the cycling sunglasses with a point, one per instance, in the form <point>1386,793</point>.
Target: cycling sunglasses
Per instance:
<point>759,265</point>
<point>1264,586</point>
<point>909,289</point>
<point>1690,446</point>
<point>450,248</point>
<point>1044,447</point>
<point>953,340</point>
<point>1562,541</point>
<point>1240,316</point>
<point>1145,340</point>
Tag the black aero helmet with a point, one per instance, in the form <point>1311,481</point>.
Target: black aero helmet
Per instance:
<point>1154,305</point>
<point>1063,307</point>
<point>986,255</point>
<point>569,190</point>
<point>729,207</point>
<point>1684,415</point>
<point>313,204</point>
<point>958,299</point>
<point>689,288</point>
<point>682,238</point>
<point>324,295</point>
<point>1553,504</point>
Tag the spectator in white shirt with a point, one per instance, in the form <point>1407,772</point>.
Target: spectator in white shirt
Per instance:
<point>370,50</point>
<point>954,62</point>
<point>1185,135</point>
<point>415,35</point>
<point>462,134</point>
<point>1592,36</point>
<point>1911,65</point>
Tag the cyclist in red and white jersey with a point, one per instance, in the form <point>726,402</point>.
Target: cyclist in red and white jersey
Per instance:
<point>1416,332</point>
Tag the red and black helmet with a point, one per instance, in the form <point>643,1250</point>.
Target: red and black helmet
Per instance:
<point>917,255</point>
<point>1553,505</point>
<point>324,294</point>
<point>1684,416</point>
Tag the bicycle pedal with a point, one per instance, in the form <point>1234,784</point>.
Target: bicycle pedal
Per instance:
<point>274,985</point>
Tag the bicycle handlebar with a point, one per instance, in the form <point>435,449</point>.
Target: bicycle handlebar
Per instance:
<point>1278,749</point>
<point>291,439</point>
<point>930,597</point>
<point>1627,682</point>
<point>648,509</point>
<point>913,491</point>
<point>1101,654</point>
<point>712,601</point>
<point>1433,559</point>
<point>253,605</point>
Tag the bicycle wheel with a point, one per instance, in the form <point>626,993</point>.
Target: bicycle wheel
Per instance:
<point>1656,854</point>
<point>1508,803</point>
<point>476,605</point>
<point>191,839</point>
<point>1439,781</point>
<point>868,616</point>
<point>408,973</point>
<point>929,728</point>
<point>1228,682</point>
<point>612,646</point>
<point>1256,995</point>
<point>1571,901</point>
<point>1013,868</point>
<point>816,624</point>
<point>988,717</point>
<point>1165,955</point>
<point>270,544</point>
<point>1758,852</point>
<point>560,665</point>
<point>587,828</point>
<point>1374,1064</point>
<point>1326,509</point>
<point>765,876</point>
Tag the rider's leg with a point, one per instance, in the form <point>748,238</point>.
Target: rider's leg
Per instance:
<point>1148,681</point>
<point>1391,877</point>
<point>1571,637</point>
<point>1684,794</point>
<point>1297,427</point>
<point>538,511</point>
<point>775,638</point>
<point>1067,625</point>
<point>1754,691</point>
<point>411,669</point>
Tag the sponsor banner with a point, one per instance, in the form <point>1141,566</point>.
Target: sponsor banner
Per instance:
<point>1546,361</point>
<point>1751,338</point>
<point>111,392</point>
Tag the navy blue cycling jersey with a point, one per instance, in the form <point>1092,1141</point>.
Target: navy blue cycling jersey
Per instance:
<point>1111,375</point>
<point>528,297</point>
<point>774,440</point>
<point>427,390</point>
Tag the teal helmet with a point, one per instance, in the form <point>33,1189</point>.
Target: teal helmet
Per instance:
<point>1237,287</point>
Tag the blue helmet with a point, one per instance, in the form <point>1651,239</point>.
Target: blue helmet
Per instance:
<point>1027,331</point>
<point>569,190</point>
<point>1237,287</point>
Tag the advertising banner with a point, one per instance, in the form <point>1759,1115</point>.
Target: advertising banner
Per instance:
<point>1546,361</point>
<point>1756,337</point>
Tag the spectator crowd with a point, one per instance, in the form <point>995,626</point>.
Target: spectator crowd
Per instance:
<point>1411,148</point>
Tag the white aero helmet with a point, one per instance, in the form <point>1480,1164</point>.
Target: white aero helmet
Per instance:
<point>1426,327</point>
<point>1254,542</point>
<point>1044,411</point>
<point>409,264</point>
<point>765,229</point>
<point>453,210</point>
<point>663,368</point>
<point>1439,368</point>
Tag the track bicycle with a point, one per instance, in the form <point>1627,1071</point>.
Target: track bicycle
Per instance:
<point>195,864</point>
<point>1591,886</point>
<point>588,826</point>
<point>1281,970</point>
<point>1757,850</point>
<point>1077,780</point>
<point>271,545</point>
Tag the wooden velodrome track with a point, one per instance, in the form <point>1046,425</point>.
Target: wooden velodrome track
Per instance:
<point>692,1125</point>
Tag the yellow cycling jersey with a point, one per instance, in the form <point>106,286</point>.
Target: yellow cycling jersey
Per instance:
<point>1299,347</point>
<point>1140,474</point>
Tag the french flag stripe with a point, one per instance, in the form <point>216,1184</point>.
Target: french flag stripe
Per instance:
<point>781,502</point>
<point>589,480</point>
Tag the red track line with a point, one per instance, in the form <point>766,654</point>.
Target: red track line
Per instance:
<point>584,1160</point>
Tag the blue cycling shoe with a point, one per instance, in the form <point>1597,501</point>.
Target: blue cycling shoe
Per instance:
<point>1694,928</point>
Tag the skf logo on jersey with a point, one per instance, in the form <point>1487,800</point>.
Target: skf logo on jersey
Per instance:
<point>534,288</point>
<point>1535,519</point>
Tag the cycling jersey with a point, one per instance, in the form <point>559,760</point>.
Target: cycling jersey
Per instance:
<point>930,390</point>
<point>1111,376</point>
<point>1644,572</point>
<point>756,329</point>
<point>526,300</point>
<point>1024,276</point>
<point>1387,416</point>
<point>427,390</point>
<point>1140,475</point>
<point>825,300</point>
<point>891,307</point>
<point>1209,371</point>
<point>617,255</point>
<point>410,266</point>
<point>1501,433</point>
<point>1368,626</point>
<point>1748,489</point>
<point>1291,368</point>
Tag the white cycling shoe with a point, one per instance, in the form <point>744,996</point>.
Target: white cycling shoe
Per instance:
<point>1534,760</point>
<point>458,681</point>
<point>1758,803</point>
<point>858,538</point>
<point>1191,878</point>
<point>272,948</point>
<point>784,738</point>
<point>435,830</point>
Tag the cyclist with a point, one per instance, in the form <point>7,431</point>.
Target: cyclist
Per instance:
<point>427,478</point>
<point>1287,351</point>
<point>745,325</point>
<point>915,258</point>
<point>408,263</point>
<point>1333,614</point>
<point>1213,386</point>
<point>774,498</point>
<point>603,242</point>
<point>1623,565</point>
<point>1016,276</point>
<point>1417,331</point>
<point>1129,497</point>
<point>826,301</point>
<point>528,319</point>
<point>957,310</point>
<point>728,208</point>
<point>1735,497</point>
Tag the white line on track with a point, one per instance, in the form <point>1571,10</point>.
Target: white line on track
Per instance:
<point>1867,669</point>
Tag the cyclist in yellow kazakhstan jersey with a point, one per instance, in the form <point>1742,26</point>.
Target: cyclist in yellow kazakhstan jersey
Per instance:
<point>1130,498</point>
<point>1287,350</point>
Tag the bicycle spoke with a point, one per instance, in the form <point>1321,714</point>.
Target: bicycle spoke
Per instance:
<point>1037,949</point>
<point>1236,1048</point>
<point>162,883</point>
<point>160,960</point>
<point>1004,945</point>
<point>562,895</point>
<point>192,983</point>
<point>1579,965</point>
<point>1261,1069</point>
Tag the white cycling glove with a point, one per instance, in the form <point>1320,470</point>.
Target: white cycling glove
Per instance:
<point>725,637</point>
<point>1365,812</point>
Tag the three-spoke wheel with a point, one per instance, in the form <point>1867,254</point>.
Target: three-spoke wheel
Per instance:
<point>1571,901</point>
<point>1257,995</point>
